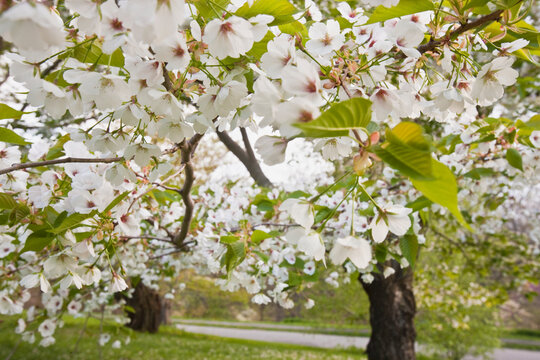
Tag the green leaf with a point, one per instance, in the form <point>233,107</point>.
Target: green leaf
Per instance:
<point>9,136</point>
<point>293,28</point>
<point>475,4</point>
<point>380,253</point>
<point>514,158</point>
<point>260,47</point>
<point>228,239</point>
<point>479,172</point>
<point>19,213</point>
<point>208,8</point>
<point>58,149</point>
<point>236,252</point>
<point>7,201</point>
<point>409,248</point>
<point>442,190</point>
<point>91,53</point>
<point>7,112</point>
<point>163,197</point>
<point>72,221</point>
<point>406,149</point>
<point>405,7</point>
<point>258,236</point>
<point>351,114</point>
<point>37,241</point>
<point>115,202</point>
<point>420,203</point>
<point>281,10</point>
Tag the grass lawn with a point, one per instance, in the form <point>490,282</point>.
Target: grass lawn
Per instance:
<point>316,328</point>
<point>169,344</point>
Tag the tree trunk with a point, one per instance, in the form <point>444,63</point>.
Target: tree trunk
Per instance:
<point>391,311</point>
<point>147,311</point>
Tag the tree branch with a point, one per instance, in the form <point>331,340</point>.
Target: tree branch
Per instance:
<point>58,161</point>
<point>432,44</point>
<point>187,150</point>
<point>249,150</point>
<point>146,237</point>
<point>247,157</point>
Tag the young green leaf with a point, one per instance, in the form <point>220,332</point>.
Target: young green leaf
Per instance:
<point>281,10</point>
<point>7,112</point>
<point>258,236</point>
<point>72,221</point>
<point>409,248</point>
<point>514,158</point>
<point>9,136</point>
<point>115,202</point>
<point>339,119</point>
<point>37,241</point>
<point>406,149</point>
<point>7,201</point>
<point>442,189</point>
<point>210,9</point>
<point>405,7</point>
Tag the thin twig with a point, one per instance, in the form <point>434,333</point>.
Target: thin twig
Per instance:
<point>58,161</point>
<point>183,248</point>
<point>157,185</point>
<point>149,237</point>
<point>453,242</point>
<point>432,44</point>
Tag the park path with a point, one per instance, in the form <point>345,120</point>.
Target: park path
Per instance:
<point>320,340</point>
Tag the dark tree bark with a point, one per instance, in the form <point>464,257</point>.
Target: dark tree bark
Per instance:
<point>392,309</point>
<point>148,308</point>
<point>247,156</point>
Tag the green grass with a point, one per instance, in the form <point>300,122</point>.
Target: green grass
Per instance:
<point>168,344</point>
<point>522,334</point>
<point>313,328</point>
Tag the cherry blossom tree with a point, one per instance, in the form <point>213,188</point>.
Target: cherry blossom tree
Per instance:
<point>113,181</point>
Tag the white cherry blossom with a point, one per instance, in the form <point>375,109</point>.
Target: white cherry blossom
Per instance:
<point>358,250</point>
<point>394,218</point>
<point>488,86</point>
<point>230,37</point>
<point>325,38</point>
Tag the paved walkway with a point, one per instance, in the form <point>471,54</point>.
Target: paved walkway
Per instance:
<point>322,340</point>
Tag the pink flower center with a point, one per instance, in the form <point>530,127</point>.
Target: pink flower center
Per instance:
<point>226,27</point>
<point>305,116</point>
<point>311,87</point>
<point>179,51</point>
<point>327,40</point>
<point>382,94</point>
<point>117,24</point>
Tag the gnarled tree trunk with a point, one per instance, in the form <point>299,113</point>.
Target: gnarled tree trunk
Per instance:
<point>391,311</point>
<point>148,309</point>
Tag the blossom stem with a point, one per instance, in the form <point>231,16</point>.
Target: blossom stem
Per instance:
<point>331,215</point>
<point>370,198</point>
<point>316,197</point>
<point>323,68</point>
<point>68,49</point>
